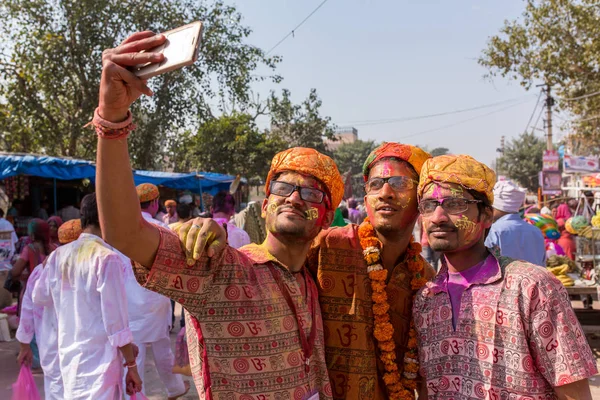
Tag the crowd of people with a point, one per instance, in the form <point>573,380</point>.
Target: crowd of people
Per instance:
<point>286,300</point>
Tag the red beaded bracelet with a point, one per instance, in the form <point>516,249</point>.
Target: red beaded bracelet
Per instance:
<point>111,130</point>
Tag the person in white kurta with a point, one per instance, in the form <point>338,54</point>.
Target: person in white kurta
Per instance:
<point>83,281</point>
<point>41,321</point>
<point>150,314</point>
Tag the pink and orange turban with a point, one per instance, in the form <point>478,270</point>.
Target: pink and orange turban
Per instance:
<point>147,192</point>
<point>405,152</point>
<point>170,203</point>
<point>309,162</point>
<point>462,170</point>
<point>69,231</point>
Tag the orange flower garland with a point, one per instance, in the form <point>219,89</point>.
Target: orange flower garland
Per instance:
<point>398,386</point>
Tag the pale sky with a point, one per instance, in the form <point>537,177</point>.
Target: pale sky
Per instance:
<point>384,59</point>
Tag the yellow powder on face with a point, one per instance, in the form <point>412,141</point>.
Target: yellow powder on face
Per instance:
<point>466,225</point>
<point>271,208</point>
<point>456,191</point>
<point>312,213</point>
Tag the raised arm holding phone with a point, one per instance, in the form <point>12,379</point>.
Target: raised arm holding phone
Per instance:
<point>119,207</point>
<point>253,314</point>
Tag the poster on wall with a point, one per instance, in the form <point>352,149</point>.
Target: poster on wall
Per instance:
<point>550,160</point>
<point>573,163</point>
<point>551,182</point>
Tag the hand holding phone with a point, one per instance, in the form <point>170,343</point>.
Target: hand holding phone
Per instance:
<point>179,49</point>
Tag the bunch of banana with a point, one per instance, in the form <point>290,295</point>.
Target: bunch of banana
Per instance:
<point>596,221</point>
<point>561,274</point>
<point>585,232</point>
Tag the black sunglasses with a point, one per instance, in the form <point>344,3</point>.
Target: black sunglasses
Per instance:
<point>285,189</point>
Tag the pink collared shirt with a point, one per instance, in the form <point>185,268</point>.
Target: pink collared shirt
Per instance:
<point>516,336</point>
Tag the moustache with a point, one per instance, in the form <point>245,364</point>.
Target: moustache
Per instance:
<point>301,213</point>
<point>442,228</point>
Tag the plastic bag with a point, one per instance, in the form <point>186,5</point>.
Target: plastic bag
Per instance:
<point>138,396</point>
<point>24,388</point>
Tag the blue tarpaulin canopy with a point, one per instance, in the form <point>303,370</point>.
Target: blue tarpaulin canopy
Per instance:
<point>12,164</point>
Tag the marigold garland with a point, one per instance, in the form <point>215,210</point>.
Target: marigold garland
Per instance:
<point>398,386</point>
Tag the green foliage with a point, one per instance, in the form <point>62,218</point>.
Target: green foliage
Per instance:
<point>50,65</point>
<point>300,124</point>
<point>229,144</point>
<point>555,42</point>
<point>351,156</point>
<point>522,160</point>
<point>439,151</point>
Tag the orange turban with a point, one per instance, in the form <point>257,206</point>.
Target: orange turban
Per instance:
<point>170,203</point>
<point>411,154</point>
<point>309,162</point>
<point>462,170</point>
<point>69,231</point>
<point>147,192</point>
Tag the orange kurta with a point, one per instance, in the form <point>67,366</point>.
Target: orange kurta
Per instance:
<point>345,296</point>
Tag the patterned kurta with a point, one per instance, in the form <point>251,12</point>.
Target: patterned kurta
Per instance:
<point>243,336</point>
<point>345,293</point>
<point>517,336</point>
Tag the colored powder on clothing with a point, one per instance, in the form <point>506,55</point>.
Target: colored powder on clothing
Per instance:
<point>458,282</point>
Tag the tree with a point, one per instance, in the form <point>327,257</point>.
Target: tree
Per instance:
<point>50,65</point>
<point>300,124</point>
<point>351,156</point>
<point>229,144</point>
<point>437,151</point>
<point>522,160</point>
<point>555,42</point>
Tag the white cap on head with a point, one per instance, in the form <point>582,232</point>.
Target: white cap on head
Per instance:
<point>186,199</point>
<point>508,197</point>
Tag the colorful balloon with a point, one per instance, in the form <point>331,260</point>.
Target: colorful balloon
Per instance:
<point>545,223</point>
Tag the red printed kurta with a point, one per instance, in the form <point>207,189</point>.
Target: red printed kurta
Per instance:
<point>345,293</point>
<point>517,336</point>
<point>243,336</point>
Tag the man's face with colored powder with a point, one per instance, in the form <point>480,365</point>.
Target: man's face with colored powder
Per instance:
<point>391,196</point>
<point>292,215</point>
<point>455,224</point>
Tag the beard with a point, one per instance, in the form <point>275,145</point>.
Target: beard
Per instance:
<point>443,246</point>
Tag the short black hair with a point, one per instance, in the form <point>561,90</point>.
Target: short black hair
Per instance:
<point>184,211</point>
<point>344,211</point>
<point>1,213</point>
<point>223,202</point>
<point>89,211</point>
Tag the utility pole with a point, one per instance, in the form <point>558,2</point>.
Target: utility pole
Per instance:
<point>501,151</point>
<point>549,104</point>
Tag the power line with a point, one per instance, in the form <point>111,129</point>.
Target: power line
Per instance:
<point>297,26</point>
<point>585,96</point>
<point>537,121</point>
<point>403,119</point>
<point>464,120</point>
<point>537,103</point>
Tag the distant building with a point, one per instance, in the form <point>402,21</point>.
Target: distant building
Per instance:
<point>345,134</point>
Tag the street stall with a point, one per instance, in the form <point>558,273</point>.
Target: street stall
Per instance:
<point>33,180</point>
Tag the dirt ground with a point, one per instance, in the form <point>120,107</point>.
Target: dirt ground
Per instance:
<point>155,391</point>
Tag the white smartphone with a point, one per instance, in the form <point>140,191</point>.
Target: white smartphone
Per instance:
<point>180,49</point>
